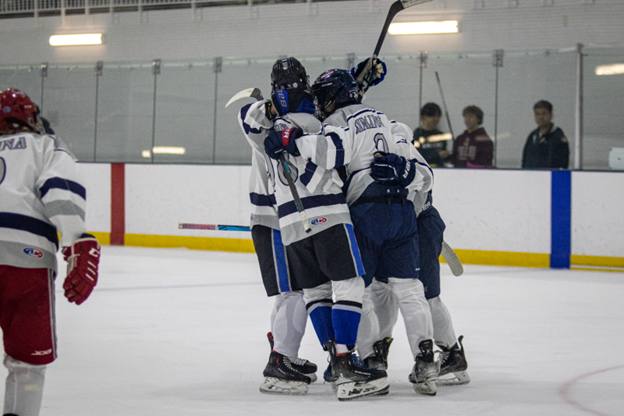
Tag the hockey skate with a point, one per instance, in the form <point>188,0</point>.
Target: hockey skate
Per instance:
<point>302,365</point>
<point>453,364</point>
<point>353,379</point>
<point>330,379</point>
<point>281,378</point>
<point>380,359</point>
<point>425,371</point>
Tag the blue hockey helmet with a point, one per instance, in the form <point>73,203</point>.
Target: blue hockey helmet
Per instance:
<point>335,86</point>
<point>290,87</point>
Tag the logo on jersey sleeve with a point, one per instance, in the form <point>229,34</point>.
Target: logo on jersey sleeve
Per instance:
<point>33,252</point>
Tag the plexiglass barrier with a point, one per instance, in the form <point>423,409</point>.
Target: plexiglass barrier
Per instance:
<point>174,112</point>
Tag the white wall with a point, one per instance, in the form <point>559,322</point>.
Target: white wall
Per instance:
<point>326,28</point>
<point>97,179</point>
<point>491,210</point>
<point>494,210</point>
<point>159,197</point>
<point>598,214</point>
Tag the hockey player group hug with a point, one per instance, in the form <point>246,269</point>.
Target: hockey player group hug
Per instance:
<point>345,233</point>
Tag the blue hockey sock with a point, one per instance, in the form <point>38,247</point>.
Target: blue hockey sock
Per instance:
<point>346,319</point>
<point>321,316</point>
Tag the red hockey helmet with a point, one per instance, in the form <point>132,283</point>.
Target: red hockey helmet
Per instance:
<point>16,109</point>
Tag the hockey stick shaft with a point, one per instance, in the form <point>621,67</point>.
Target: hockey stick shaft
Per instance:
<point>451,258</point>
<point>293,189</point>
<point>395,8</point>
<point>257,94</point>
<point>212,227</point>
<point>448,119</point>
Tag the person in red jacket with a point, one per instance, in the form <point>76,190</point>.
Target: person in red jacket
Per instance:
<point>473,148</point>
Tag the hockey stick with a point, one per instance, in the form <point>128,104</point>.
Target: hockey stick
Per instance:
<point>214,227</point>
<point>395,8</point>
<point>448,119</point>
<point>257,94</point>
<point>451,258</point>
<point>249,92</point>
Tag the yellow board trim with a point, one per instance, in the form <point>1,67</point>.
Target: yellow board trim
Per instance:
<point>596,269</point>
<point>103,238</point>
<point>596,261</point>
<point>502,258</point>
<point>480,257</point>
<point>236,245</point>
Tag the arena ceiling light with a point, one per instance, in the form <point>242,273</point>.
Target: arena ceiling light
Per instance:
<point>613,69</point>
<point>423,28</point>
<point>81,39</point>
<point>164,150</point>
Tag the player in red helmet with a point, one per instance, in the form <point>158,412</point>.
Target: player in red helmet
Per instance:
<point>41,196</point>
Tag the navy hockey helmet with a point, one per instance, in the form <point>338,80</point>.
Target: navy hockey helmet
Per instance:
<point>290,87</point>
<point>335,86</point>
<point>17,110</point>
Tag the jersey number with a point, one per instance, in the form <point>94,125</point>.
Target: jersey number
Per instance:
<point>2,169</point>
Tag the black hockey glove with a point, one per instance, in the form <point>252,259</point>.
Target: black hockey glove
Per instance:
<point>284,141</point>
<point>390,169</point>
<point>376,74</point>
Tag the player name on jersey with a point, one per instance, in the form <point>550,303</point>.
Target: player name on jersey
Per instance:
<point>366,122</point>
<point>13,144</point>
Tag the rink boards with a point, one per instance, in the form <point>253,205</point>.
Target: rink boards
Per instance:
<point>493,217</point>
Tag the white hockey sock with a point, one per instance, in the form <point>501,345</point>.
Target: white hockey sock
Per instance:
<point>289,324</point>
<point>410,295</point>
<point>24,387</point>
<point>368,331</point>
<point>386,307</point>
<point>442,323</point>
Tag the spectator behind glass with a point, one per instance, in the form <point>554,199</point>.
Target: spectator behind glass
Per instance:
<point>473,148</point>
<point>546,147</point>
<point>431,148</point>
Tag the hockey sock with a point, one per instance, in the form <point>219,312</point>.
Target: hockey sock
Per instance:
<point>346,318</point>
<point>289,324</point>
<point>24,387</point>
<point>321,316</point>
<point>443,330</point>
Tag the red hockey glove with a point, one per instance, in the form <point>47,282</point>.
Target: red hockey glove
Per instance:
<point>82,260</point>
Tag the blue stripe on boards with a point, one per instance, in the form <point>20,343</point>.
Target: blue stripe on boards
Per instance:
<point>311,202</point>
<point>29,224</point>
<point>66,184</point>
<point>560,219</point>
<point>281,267</point>
<point>355,250</point>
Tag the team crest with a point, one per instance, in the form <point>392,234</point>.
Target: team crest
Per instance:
<point>33,252</point>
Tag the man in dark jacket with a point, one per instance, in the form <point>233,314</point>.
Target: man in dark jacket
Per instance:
<point>546,147</point>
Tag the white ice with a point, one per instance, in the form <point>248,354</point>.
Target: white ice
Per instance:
<point>181,332</point>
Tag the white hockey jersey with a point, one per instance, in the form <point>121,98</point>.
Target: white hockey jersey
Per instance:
<point>40,194</point>
<point>261,191</point>
<point>364,132</point>
<point>320,189</point>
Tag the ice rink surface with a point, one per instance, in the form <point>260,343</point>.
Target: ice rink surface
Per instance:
<point>181,332</point>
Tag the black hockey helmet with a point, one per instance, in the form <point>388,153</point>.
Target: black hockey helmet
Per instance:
<point>290,87</point>
<point>335,86</point>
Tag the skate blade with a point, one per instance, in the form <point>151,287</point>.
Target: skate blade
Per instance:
<point>273,385</point>
<point>352,390</point>
<point>458,378</point>
<point>427,387</point>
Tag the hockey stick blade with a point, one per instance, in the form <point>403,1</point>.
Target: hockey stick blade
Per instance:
<point>395,8</point>
<point>247,93</point>
<point>451,258</point>
<point>212,227</point>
